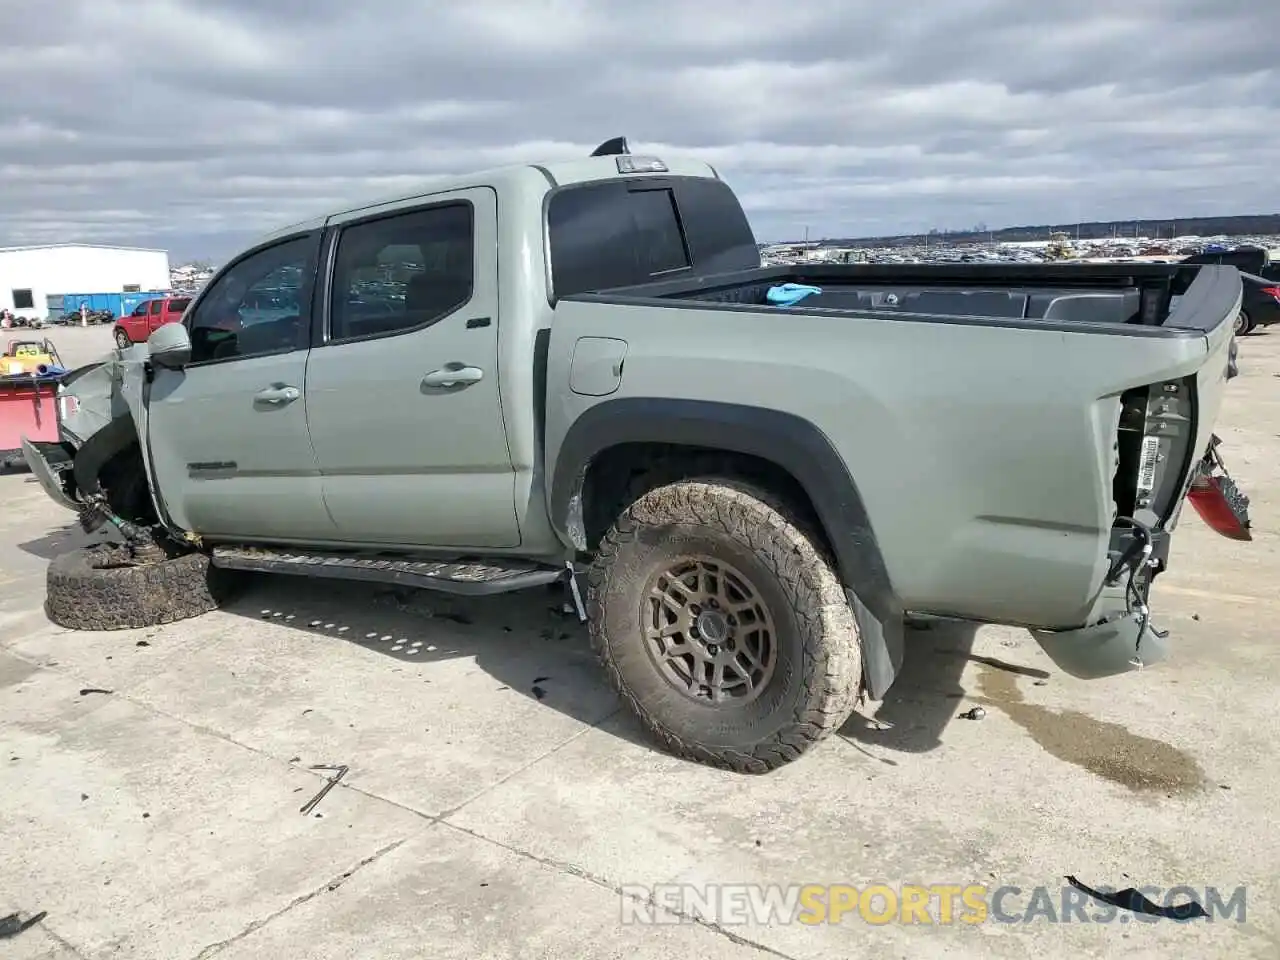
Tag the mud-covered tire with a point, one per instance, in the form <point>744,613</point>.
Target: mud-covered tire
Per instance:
<point>85,591</point>
<point>814,686</point>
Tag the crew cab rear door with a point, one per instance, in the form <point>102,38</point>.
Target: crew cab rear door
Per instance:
<point>402,386</point>
<point>172,310</point>
<point>155,315</point>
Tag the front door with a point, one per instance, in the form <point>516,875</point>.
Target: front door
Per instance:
<point>228,434</point>
<point>402,397</point>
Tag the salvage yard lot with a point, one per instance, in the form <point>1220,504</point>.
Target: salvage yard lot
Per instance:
<point>498,798</point>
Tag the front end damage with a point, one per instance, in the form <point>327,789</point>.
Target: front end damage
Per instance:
<point>91,469</point>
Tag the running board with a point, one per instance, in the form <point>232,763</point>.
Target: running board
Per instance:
<point>477,578</point>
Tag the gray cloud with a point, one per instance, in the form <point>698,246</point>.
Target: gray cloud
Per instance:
<point>197,124</point>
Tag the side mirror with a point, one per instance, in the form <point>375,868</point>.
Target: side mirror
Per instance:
<point>170,346</point>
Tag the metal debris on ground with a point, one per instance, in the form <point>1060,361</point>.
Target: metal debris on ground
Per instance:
<point>973,713</point>
<point>338,773</point>
<point>85,691</point>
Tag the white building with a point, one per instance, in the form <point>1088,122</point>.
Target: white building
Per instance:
<point>29,276</point>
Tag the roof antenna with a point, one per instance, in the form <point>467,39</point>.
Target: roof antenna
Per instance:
<point>612,148</point>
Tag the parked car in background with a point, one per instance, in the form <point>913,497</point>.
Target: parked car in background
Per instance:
<point>146,317</point>
<point>1259,303</point>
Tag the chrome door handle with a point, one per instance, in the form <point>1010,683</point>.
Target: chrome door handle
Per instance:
<point>452,375</point>
<point>277,396</point>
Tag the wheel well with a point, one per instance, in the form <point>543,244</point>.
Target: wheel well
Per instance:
<point>621,474</point>
<point>124,480</point>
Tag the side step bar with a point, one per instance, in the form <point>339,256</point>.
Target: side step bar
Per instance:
<point>473,579</point>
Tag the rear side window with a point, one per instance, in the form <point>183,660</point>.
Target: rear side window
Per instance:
<point>613,235</point>
<point>177,306</point>
<point>720,236</point>
<point>624,233</point>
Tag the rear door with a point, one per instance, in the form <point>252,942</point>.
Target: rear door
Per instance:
<point>173,310</point>
<point>155,315</point>
<point>402,390</point>
<point>228,434</point>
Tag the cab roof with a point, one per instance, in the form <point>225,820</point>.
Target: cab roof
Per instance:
<point>520,177</point>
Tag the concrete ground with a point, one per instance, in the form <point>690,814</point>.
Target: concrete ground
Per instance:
<point>499,799</point>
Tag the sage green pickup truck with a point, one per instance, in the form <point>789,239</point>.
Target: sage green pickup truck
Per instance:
<point>747,478</point>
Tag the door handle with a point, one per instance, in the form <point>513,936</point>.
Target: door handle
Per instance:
<point>452,375</point>
<point>277,396</point>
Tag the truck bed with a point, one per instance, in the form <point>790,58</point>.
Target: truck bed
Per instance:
<point>982,418</point>
<point>1186,299</point>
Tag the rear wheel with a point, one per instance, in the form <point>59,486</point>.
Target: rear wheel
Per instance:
<point>122,339</point>
<point>1244,324</point>
<point>722,626</point>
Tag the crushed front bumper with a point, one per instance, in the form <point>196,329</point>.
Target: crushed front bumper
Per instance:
<point>47,461</point>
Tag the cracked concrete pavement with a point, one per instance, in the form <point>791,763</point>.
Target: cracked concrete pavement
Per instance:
<point>479,820</point>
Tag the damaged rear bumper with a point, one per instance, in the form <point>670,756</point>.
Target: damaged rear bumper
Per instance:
<point>1121,636</point>
<point>1123,641</point>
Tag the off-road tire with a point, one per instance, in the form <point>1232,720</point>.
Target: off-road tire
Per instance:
<point>815,685</point>
<point>85,592</point>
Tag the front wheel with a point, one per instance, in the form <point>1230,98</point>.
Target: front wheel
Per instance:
<point>723,627</point>
<point>106,588</point>
<point>122,340</point>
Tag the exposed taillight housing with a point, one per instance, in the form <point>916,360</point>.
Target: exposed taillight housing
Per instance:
<point>1273,293</point>
<point>1156,430</point>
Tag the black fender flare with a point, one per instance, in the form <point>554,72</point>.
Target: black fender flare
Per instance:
<point>790,443</point>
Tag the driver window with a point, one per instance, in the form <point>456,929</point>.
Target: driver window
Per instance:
<point>261,305</point>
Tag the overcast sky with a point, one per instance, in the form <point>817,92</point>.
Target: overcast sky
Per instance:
<point>196,124</point>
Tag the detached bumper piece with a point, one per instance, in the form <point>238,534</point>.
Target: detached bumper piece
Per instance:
<point>1221,504</point>
<point>47,461</point>
<point>1123,643</point>
<point>468,578</point>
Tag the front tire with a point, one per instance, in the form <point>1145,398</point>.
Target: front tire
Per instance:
<point>723,627</point>
<point>101,588</point>
<point>122,340</point>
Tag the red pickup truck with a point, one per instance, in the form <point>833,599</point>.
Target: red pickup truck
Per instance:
<point>146,316</point>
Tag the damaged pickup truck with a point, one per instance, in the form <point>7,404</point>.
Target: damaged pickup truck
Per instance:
<point>581,369</point>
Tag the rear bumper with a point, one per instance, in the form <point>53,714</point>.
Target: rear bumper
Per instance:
<point>1121,642</point>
